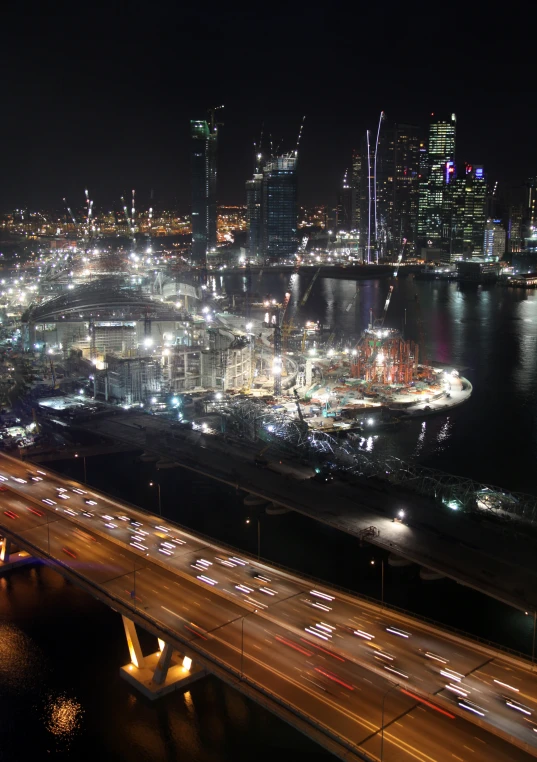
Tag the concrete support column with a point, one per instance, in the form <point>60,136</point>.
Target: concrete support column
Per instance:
<point>161,671</point>
<point>135,651</point>
<point>5,549</point>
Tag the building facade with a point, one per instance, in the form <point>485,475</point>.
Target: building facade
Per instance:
<point>254,221</point>
<point>346,204</point>
<point>272,209</point>
<point>438,171</point>
<point>464,214</point>
<point>398,186</point>
<point>279,206</point>
<point>204,140</point>
<point>495,240</point>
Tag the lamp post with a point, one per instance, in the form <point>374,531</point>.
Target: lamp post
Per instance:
<point>157,485</point>
<point>242,648</point>
<point>391,688</point>
<point>258,536</point>
<point>84,459</point>
<point>381,579</point>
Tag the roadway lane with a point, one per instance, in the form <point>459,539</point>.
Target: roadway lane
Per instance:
<point>352,630</point>
<point>475,552</point>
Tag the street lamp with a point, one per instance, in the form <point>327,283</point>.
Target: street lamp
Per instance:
<point>84,459</point>
<point>157,485</point>
<point>391,688</point>
<point>258,536</point>
<point>381,578</point>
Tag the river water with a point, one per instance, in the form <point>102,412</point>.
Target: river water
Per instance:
<point>60,651</point>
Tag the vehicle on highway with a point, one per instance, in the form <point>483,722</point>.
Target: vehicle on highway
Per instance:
<point>397,631</point>
<point>48,501</point>
<point>90,502</point>
<point>34,510</point>
<point>69,552</point>
<point>11,515</point>
<point>316,604</point>
<point>435,657</point>
<point>512,704</point>
<point>471,707</point>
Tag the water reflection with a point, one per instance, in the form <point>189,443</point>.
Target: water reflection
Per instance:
<point>63,717</point>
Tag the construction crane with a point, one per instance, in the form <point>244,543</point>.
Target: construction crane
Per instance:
<point>309,288</point>
<point>133,211</point>
<point>126,213</point>
<point>299,410</point>
<point>379,322</point>
<point>69,212</point>
<point>423,351</point>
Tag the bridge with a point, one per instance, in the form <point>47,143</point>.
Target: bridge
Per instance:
<point>363,681</point>
<point>473,549</point>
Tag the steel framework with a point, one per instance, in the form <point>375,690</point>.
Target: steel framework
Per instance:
<point>261,423</point>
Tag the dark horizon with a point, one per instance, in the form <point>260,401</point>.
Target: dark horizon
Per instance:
<point>106,105</point>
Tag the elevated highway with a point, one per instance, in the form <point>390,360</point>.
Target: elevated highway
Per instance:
<point>364,682</point>
<point>477,552</point>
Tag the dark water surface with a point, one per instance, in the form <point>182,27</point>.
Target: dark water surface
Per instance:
<point>489,332</point>
<point>60,651</point>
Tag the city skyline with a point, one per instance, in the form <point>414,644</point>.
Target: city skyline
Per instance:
<point>117,116</point>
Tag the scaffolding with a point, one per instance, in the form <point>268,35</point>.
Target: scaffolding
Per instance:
<point>383,357</point>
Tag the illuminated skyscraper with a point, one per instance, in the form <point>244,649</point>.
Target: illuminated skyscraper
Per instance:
<point>356,180</point>
<point>279,206</point>
<point>204,140</point>
<point>271,207</point>
<point>437,174</point>
<point>465,213</point>
<point>254,209</point>
<point>495,238</point>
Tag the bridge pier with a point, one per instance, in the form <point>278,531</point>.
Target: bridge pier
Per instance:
<point>5,550</point>
<point>10,557</point>
<point>159,673</point>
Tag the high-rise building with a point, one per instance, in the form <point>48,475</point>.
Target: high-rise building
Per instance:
<point>204,140</point>
<point>464,213</point>
<point>254,210</point>
<point>365,201</point>
<point>397,186</point>
<point>272,207</point>
<point>356,180</point>
<point>279,206</point>
<point>437,174</point>
<point>495,238</point>
<point>346,203</point>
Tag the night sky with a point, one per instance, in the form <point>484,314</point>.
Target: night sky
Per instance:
<point>101,97</point>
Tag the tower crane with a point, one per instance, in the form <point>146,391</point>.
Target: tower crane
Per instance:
<point>126,213</point>
<point>423,351</point>
<point>379,322</point>
<point>69,212</point>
